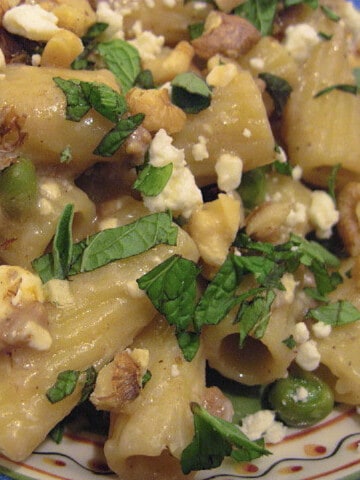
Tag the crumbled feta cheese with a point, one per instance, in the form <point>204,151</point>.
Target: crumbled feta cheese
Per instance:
<point>321,329</point>
<point>31,21</point>
<point>147,43</point>
<point>199,150</point>
<point>308,356</point>
<point>59,292</point>
<point>221,75</point>
<point>175,372</point>
<point>50,189</point>
<point>247,133</point>
<point>257,63</point>
<point>299,40</point>
<point>297,172</point>
<point>351,17</point>
<point>35,60</point>
<point>322,213</point>
<point>289,282</point>
<point>301,333</point>
<point>280,155</point>
<point>297,214</point>
<point>263,424</point>
<point>181,194</point>
<point>114,20</point>
<point>229,171</point>
<point>301,394</point>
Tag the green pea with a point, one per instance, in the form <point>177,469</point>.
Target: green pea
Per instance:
<point>252,187</point>
<point>297,411</point>
<point>18,188</point>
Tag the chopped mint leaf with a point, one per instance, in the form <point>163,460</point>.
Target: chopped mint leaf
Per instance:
<point>279,90</point>
<point>189,343</point>
<point>335,314</point>
<point>57,433</point>
<point>77,105</point>
<point>145,80</point>
<point>252,187</point>
<point>283,168</point>
<point>253,316</point>
<point>289,342</point>
<point>117,136</point>
<point>171,286</point>
<point>112,244</point>
<point>109,103</point>
<point>332,180</point>
<point>330,14</point>
<point>62,245</point>
<point>94,31</point>
<point>122,59</point>
<point>190,92</point>
<point>214,440</point>
<point>343,87</point>
<point>218,298</point>
<point>260,13</point>
<point>152,180</point>
<point>146,377</point>
<point>90,379</point>
<point>312,3</point>
<point>325,36</point>
<point>64,386</point>
<point>196,30</point>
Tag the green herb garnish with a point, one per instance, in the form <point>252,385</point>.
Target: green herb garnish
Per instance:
<point>216,439</point>
<point>103,247</point>
<point>152,180</point>
<point>190,92</point>
<point>279,90</point>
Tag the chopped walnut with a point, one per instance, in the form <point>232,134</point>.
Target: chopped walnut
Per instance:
<point>348,202</point>
<point>137,144</point>
<point>119,382</point>
<point>11,134</point>
<point>225,34</point>
<point>23,318</point>
<point>158,109</point>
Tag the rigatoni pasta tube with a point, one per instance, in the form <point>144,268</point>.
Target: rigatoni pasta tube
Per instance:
<point>323,132</point>
<point>107,313</point>
<point>159,421</point>
<point>31,95</point>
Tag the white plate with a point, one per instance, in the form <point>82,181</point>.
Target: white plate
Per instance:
<point>330,450</point>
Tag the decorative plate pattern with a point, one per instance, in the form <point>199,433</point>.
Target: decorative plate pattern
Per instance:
<point>328,451</point>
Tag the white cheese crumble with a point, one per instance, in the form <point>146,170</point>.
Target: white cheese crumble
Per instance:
<point>247,133</point>
<point>301,333</point>
<point>321,329</point>
<point>308,356</point>
<point>297,172</point>
<point>286,296</point>
<point>147,43</point>
<point>351,17</point>
<point>181,194</point>
<point>301,394</point>
<point>299,40</point>
<point>31,21</point>
<point>257,63</point>
<point>280,155</point>
<point>229,169</point>
<point>322,213</point>
<point>263,424</point>
<point>114,20</point>
<point>175,372</point>
<point>199,150</point>
<point>297,214</point>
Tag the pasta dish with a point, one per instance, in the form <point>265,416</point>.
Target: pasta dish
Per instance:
<point>180,213</point>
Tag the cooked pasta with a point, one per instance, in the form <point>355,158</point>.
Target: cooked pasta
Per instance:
<point>179,208</point>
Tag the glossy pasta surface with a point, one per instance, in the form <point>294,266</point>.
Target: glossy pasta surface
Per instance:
<point>179,212</point>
